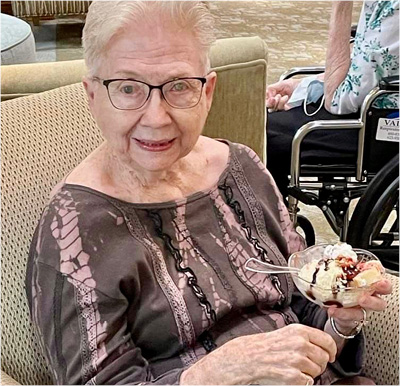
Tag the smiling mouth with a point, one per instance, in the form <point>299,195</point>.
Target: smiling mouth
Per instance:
<point>155,145</point>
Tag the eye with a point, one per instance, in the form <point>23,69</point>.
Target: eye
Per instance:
<point>127,89</point>
<point>179,86</point>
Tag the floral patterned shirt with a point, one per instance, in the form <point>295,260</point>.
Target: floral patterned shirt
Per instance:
<point>375,56</point>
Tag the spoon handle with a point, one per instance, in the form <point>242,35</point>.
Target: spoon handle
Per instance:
<point>262,267</point>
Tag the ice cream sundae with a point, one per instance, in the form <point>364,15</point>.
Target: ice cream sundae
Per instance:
<point>336,274</point>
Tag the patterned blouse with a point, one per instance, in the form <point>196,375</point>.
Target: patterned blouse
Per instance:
<point>375,56</point>
<point>135,293</point>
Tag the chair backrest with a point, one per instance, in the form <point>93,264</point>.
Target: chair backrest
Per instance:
<point>47,134</point>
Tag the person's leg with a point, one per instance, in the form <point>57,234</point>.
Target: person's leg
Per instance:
<point>319,147</point>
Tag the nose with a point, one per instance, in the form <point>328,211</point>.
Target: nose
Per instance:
<point>155,111</point>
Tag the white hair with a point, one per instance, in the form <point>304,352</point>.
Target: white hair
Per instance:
<point>106,18</point>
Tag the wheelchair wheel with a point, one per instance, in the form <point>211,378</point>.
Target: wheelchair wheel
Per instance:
<point>375,222</point>
<point>308,230</point>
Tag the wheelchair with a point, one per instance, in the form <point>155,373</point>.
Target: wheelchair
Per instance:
<point>373,179</point>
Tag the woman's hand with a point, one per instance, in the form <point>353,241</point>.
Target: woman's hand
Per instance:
<point>345,318</point>
<point>291,355</point>
<point>279,93</point>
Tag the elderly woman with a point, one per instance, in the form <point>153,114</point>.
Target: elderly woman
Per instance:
<point>136,271</point>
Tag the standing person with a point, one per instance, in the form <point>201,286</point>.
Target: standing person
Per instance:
<point>136,271</point>
<point>346,82</point>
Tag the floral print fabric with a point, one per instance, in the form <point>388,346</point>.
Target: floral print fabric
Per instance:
<point>375,56</point>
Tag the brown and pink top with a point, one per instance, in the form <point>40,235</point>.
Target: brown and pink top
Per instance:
<point>134,293</point>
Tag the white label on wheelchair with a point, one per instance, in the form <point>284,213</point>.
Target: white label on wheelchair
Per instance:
<point>388,130</point>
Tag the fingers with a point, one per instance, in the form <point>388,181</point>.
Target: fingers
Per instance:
<point>319,356</point>
<point>372,302</point>
<point>287,107</point>
<point>383,287</point>
<point>271,91</point>
<point>277,102</point>
<point>347,315</point>
<point>307,366</point>
<point>325,341</point>
<point>282,102</point>
<point>318,338</point>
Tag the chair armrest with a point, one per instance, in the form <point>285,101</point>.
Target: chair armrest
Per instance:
<point>25,79</point>
<point>7,380</point>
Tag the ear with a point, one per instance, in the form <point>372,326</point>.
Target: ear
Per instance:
<point>210,87</point>
<point>89,88</point>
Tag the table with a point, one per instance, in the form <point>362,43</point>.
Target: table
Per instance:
<point>17,41</point>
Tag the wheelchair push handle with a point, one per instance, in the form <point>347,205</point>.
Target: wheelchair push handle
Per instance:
<point>390,83</point>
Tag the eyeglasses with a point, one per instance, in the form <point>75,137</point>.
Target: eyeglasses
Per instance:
<point>132,94</point>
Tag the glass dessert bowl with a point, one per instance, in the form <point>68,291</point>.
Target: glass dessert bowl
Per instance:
<point>335,274</point>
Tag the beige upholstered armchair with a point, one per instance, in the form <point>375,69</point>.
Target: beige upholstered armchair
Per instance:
<point>45,135</point>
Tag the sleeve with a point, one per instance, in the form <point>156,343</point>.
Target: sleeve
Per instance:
<point>84,333</point>
<point>375,56</point>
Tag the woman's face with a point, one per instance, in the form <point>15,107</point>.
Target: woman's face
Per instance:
<point>155,136</point>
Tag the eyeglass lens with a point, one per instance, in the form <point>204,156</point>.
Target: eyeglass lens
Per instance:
<point>131,95</point>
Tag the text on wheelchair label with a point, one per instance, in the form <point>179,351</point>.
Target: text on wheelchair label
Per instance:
<point>388,130</point>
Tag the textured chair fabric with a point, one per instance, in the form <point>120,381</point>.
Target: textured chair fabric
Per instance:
<point>382,341</point>
<point>45,135</point>
<point>49,8</point>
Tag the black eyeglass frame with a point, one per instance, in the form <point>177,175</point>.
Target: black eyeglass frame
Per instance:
<point>106,83</point>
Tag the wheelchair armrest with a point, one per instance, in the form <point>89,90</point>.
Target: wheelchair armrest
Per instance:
<point>303,131</point>
<point>353,30</point>
<point>353,33</point>
<point>390,83</point>
<point>311,70</point>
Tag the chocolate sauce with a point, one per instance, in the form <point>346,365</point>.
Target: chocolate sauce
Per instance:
<point>325,262</point>
<point>314,277</point>
<point>333,303</point>
<point>310,294</point>
<point>335,291</point>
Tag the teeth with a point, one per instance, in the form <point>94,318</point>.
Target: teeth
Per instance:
<point>155,144</point>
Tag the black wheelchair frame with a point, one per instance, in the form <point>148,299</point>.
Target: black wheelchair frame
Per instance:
<point>374,179</point>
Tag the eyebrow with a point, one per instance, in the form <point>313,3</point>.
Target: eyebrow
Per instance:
<point>134,75</point>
